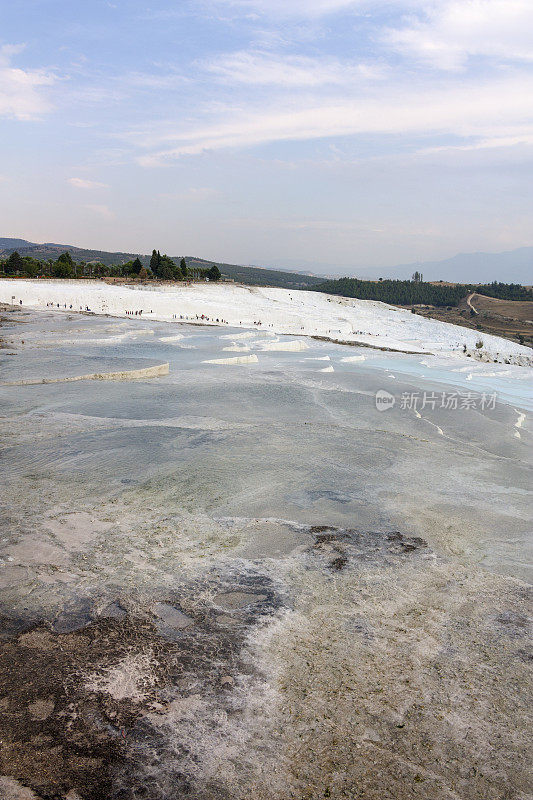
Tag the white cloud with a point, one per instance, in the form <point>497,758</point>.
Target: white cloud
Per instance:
<point>101,210</point>
<point>81,183</point>
<point>523,139</point>
<point>454,30</point>
<point>477,109</point>
<point>263,68</point>
<point>21,91</point>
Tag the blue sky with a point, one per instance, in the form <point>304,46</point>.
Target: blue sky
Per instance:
<point>332,134</point>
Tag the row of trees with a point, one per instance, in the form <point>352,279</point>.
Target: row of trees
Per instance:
<point>30,267</point>
<point>162,267</point>
<point>416,292</point>
<point>505,291</point>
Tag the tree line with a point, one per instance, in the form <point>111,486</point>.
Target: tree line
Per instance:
<point>161,267</point>
<point>417,292</point>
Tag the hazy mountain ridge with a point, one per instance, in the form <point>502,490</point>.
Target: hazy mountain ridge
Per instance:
<point>254,276</point>
<point>7,244</point>
<point>511,266</point>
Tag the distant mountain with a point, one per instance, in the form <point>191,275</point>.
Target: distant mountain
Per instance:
<point>10,244</point>
<point>512,266</point>
<point>252,276</point>
<point>43,252</point>
<point>259,276</point>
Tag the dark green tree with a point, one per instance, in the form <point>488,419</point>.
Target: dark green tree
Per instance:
<point>183,268</point>
<point>214,273</point>
<point>168,269</point>
<point>14,264</point>
<point>62,270</point>
<point>155,262</point>
<point>100,270</point>
<point>32,267</point>
<point>64,267</point>
<point>132,267</point>
<point>166,273</point>
<point>65,258</point>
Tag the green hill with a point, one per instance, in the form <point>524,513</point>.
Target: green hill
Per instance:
<point>251,276</point>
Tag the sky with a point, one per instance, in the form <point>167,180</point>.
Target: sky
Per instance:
<point>331,135</point>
